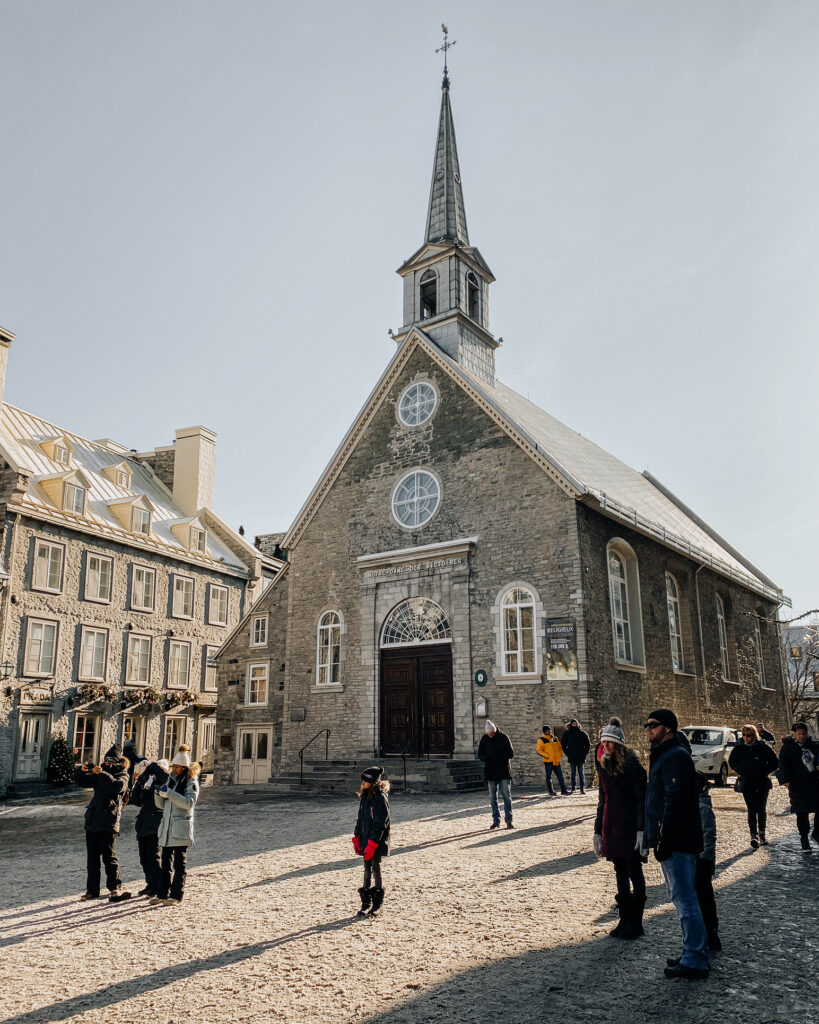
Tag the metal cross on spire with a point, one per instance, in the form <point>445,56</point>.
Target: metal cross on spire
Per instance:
<point>443,49</point>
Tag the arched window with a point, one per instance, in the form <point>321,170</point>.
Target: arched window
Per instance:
<point>415,621</point>
<point>328,649</point>
<point>429,294</point>
<point>518,632</point>
<point>473,297</point>
<point>672,594</point>
<point>624,597</point>
<point>415,499</point>
<point>722,630</point>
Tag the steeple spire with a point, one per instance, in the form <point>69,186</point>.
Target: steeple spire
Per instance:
<point>446,218</point>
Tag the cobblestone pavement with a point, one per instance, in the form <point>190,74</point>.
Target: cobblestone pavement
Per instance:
<point>507,926</point>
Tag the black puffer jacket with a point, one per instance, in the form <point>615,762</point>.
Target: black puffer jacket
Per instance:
<point>575,744</point>
<point>142,795</point>
<point>804,784</point>
<point>753,762</point>
<point>672,799</point>
<point>102,814</point>
<point>496,752</point>
<point>374,821</point>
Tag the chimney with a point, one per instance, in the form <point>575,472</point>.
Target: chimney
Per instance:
<point>6,338</point>
<point>194,469</point>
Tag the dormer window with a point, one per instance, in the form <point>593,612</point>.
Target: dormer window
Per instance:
<point>473,297</point>
<point>429,294</point>
<point>61,454</point>
<point>140,520</point>
<point>120,474</point>
<point>74,499</point>
<point>123,479</point>
<point>198,539</point>
<point>58,449</point>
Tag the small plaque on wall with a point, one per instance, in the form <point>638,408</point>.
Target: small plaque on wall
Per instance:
<point>298,714</point>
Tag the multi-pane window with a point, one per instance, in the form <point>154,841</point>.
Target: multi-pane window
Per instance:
<point>123,477</point>
<point>98,572</point>
<point>174,735</point>
<point>618,592</point>
<point>674,624</point>
<point>132,730</point>
<point>258,631</point>
<point>416,499</point>
<point>74,499</point>
<point>722,631</point>
<point>143,589</point>
<point>257,684</point>
<point>760,661</point>
<point>182,597</point>
<point>41,648</point>
<point>179,664</point>
<point>209,679</point>
<point>138,666</point>
<point>518,610</point>
<point>328,657</point>
<point>93,648</point>
<point>86,730</point>
<point>140,520</point>
<point>198,538</point>
<point>207,736</point>
<point>60,454</point>
<point>417,403</point>
<point>48,566</point>
<point>218,605</point>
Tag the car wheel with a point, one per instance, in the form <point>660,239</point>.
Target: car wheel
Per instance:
<point>722,777</point>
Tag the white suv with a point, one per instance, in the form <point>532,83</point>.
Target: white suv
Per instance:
<point>711,746</point>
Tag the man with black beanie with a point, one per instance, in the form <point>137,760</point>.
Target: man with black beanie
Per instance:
<point>674,830</point>
<point>110,784</point>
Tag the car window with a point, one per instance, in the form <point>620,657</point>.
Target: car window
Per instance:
<point>704,737</point>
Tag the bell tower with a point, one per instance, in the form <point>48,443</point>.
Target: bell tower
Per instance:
<point>446,282</point>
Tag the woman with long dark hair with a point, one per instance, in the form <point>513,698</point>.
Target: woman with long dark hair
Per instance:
<point>618,828</point>
<point>371,839</point>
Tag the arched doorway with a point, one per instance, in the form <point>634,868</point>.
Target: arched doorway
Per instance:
<point>416,680</point>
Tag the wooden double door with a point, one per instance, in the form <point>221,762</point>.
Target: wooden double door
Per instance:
<point>416,701</point>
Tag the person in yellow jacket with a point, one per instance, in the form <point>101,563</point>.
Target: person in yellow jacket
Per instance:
<point>549,748</point>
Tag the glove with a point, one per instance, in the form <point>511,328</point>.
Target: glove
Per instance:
<point>598,845</point>
<point>662,851</point>
<point>357,845</point>
<point>370,849</point>
<point>638,845</point>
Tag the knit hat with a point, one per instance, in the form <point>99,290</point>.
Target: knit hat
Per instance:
<point>372,774</point>
<point>614,732</point>
<point>490,726</point>
<point>664,717</point>
<point>114,753</point>
<point>163,764</point>
<point>547,728</point>
<point>183,758</point>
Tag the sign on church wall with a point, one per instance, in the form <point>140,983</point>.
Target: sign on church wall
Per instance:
<point>561,649</point>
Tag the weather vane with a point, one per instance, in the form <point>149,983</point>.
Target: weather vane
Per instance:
<point>443,49</point>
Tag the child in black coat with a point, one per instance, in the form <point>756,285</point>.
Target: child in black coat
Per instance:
<point>371,839</point>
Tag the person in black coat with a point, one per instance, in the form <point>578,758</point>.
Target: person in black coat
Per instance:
<point>799,773</point>
<point>149,778</point>
<point>495,750</point>
<point>371,838</point>
<point>576,746</point>
<point>753,761</point>
<point>110,784</point>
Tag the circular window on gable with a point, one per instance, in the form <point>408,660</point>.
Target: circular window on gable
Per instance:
<point>416,498</point>
<point>417,403</point>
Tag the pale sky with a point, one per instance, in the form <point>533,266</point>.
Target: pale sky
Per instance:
<point>204,203</point>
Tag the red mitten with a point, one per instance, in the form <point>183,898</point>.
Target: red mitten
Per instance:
<point>369,852</point>
<point>357,845</point>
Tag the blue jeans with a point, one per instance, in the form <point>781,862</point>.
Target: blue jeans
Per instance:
<point>577,770</point>
<point>679,872</point>
<point>504,786</point>
<point>549,768</point>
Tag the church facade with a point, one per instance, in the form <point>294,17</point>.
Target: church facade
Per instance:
<point>466,555</point>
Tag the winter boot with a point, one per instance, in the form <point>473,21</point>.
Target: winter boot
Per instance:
<point>754,841</point>
<point>805,844</point>
<point>762,840</point>
<point>622,910</point>
<point>634,918</point>
<point>366,900</point>
<point>378,899</point>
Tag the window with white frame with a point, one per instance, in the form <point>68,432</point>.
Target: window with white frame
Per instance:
<point>328,649</point>
<point>179,664</point>
<point>133,731</point>
<point>518,632</point>
<point>198,539</point>
<point>140,520</point>
<point>428,294</point>
<point>760,660</point>
<point>174,736</point>
<point>672,594</point>
<point>722,631</point>
<point>143,589</point>
<point>98,573</point>
<point>209,675</point>
<point>123,477</point>
<point>182,597</point>
<point>258,631</point>
<point>93,651</point>
<point>41,648</point>
<point>138,663</point>
<point>416,498</point>
<point>74,499</point>
<point>61,454</point>
<point>256,684</point>
<point>207,736</point>
<point>624,599</point>
<point>48,566</point>
<point>86,737</point>
<point>417,403</point>
<point>218,605</point>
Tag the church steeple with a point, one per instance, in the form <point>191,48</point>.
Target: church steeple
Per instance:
<point>446,282</point>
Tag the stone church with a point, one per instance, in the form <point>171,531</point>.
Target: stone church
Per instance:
<point>466,555</point>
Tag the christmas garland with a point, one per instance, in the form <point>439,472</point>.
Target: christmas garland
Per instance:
<point>90,692</point>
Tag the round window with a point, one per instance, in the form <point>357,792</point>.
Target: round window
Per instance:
<point>415,499</point>
<point>417,403</point>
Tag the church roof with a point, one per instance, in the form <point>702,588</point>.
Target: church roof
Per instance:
<point>446,217</point>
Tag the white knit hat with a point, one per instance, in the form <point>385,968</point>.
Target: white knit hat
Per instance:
<point>183,758</point>
<point>614,732</point>
<point>490,726</point>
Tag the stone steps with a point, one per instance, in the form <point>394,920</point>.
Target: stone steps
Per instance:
<point>343,776</point>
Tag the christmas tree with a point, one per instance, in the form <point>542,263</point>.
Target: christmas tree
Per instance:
<point>60,763</point>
